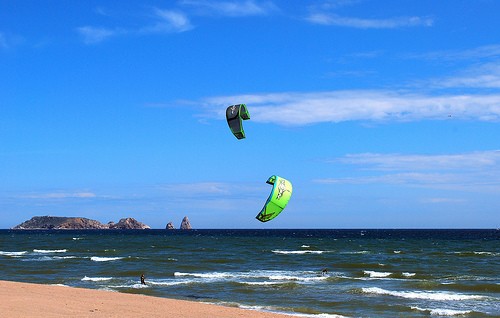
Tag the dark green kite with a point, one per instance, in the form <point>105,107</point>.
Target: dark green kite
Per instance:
<point>235,114</point>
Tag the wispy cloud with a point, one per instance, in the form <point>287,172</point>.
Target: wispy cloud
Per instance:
<point>442,200</point>
<point>162,22</point>
<point>61,195</point>
<point>472,54</point>
<point>197,189</point>
<point>92,35</point>
<point>465,171</point>
<point>483,76</point>
<point>362,105</point>
<point>231,8</point>
<point>472,94</point>
<point>389,23</point>
<point>326,13</point>
<point>474,160</point>
<point>8,40</point>
<point>218,196</point>
<point>3,41</point>
<point>207,189</point>
<point>409,178</point>
<point>479,67</point>
<point>168,21</point>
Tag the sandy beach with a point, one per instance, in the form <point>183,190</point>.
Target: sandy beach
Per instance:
<point>36,300</point>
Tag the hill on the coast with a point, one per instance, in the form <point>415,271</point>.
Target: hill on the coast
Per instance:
<point>77,223</point>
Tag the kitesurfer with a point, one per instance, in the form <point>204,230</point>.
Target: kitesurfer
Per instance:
<point>143,280</point>
<point>324,271</point>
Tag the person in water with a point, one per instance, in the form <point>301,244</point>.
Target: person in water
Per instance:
<point>324,271</point>
<point>143,280</point>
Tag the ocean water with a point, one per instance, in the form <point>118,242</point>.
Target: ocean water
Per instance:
<point>371,273</point>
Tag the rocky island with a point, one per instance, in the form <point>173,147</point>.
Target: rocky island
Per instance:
<point>185,225</point>
<point>77,223</point>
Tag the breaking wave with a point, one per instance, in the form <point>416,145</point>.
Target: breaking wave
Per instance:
<point>443,312</point>
<point>104,259</point>
<point>50,251</point>
<point>297,252</point>
<point>96,279</point>
<point>373,274</point>
<point>421,295</point>
<point>13,254</point>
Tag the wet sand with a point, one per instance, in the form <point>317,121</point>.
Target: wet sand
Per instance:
<point>37,300</point>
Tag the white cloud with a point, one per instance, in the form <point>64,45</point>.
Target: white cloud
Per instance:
<point>231,8</point>
<point>204,189</point>
<point>197,189</point>
<point>477,53</point>
<point>168,21</point>
<point>391,23</point>
<point>484,76</point>
<point>92,35</point>
<point>324,13</point>
<point>163,21</point>
<point>61,195</point>
<point>478,99</point>
<point>442,200</point>
<point>8,41</point>
<point>332,4</point>
<point>466,161</point>
<point>482,70</point>
<point>467,171</point>
<point>364,105</point>
<point>411,178</point>
<point>3,41</point>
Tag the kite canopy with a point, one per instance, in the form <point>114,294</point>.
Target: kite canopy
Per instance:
<point>234,115</point>
<point>278,199</point>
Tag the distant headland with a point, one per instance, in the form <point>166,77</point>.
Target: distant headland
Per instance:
<point>81,223</point>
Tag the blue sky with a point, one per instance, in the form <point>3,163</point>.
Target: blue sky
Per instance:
<point>383,114</point>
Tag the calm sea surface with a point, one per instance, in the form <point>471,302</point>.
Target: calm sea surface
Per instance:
<point>371,273</point>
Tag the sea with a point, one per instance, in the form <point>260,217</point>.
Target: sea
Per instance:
<point>306,273</point>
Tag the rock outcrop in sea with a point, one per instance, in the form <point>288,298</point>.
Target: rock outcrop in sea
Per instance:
<point>129,224</point>
<point>170,226</point>
<point>76,223</point>
<point>185,225</point>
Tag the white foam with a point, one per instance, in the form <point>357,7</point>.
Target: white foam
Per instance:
<point>39,259</point>
<point>96,279</point>
<point>50,251</point>
<point>255,277</point>
<point>297,278</point>
<point>135,286</point>
<point>374,274</point>
<point>104,259</point>
<point>169,282</point>
<point>487,253</point>
<point>443,312</point>
<point>14,254</point>
<point>421,295</point>
<point>261,283</point>
<point>297,252</point>
<point>407,274</point>
<point>273,310</point>
<point>316,315</point>
<point>355,252</point>
<point>214,275</point>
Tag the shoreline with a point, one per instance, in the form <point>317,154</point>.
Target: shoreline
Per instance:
<point>34,300</point>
